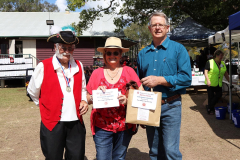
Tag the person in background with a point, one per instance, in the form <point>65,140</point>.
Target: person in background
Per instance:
<point>87,74</point>
<point>202,61</point>
<point>192,62</point>
<point>98,63</point>
<point>128,61</point>
<point>110,132</point>
<point>197,61</point>
<point>164,65</point>
<point>214,71</point>
<point>135,65</point>
<point>58,87</point>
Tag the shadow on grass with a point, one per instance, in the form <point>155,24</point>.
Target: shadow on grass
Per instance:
<point>224,129</point>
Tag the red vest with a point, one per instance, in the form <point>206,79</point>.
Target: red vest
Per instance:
<point>51,96</point>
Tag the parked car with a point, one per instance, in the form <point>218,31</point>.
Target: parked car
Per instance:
<point>235,61</point>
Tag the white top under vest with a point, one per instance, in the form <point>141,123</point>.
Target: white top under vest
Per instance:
<point>69,106</point>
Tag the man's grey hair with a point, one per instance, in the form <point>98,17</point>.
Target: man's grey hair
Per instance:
<point>161,14</point>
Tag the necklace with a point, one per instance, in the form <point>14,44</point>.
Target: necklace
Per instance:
<point>113,76</point>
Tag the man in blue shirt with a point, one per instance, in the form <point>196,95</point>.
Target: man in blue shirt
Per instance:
<point>165,66</point>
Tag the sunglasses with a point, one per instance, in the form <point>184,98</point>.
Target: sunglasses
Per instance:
<point>114,53</point>
<point>69,49</point>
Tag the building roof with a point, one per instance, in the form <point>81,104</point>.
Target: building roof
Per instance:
<point>33,24</point>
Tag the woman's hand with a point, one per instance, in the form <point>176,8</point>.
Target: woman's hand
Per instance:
<point>208,83</point>
<point>123,99</point>
<point>103,88</point>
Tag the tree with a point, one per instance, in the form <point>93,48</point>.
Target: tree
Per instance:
<point>225,48</point>
<point>212,14</point>
<point>138,33</point>
<point>27,6</point>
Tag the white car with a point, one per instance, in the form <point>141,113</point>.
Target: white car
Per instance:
<point>235,61</point>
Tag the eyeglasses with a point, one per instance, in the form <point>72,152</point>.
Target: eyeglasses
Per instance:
<point>70,49</point>
<point>158,25</point>
<point>114,53</point>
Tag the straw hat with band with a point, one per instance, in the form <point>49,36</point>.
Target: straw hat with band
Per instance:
<point>65,37</point>
<point>113,42</point>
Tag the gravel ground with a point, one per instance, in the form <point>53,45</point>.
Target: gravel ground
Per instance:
<point>203,137</point>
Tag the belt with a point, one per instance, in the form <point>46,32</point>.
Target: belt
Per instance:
<point>169,99</point>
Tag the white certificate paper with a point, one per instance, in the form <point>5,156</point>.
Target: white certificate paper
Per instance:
<point>143,114</point>
<point>105,99</point>
<point>144,99</point>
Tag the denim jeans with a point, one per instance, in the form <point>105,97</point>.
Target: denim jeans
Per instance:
<point>163,141</point>
<point>111,146</point>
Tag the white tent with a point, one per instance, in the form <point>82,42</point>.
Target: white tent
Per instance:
<point>223,36</point>
<point>211,39</point>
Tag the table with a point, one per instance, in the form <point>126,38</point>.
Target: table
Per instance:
<point>198,80</point>
<point>236,87</point>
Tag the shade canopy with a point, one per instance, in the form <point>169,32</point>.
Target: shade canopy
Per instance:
<point>190,33</point>
<point>234,21</point>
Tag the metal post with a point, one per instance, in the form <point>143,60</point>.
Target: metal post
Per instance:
<point>230,76</point>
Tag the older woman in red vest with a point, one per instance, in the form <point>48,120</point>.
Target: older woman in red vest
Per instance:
<point>58,87</point>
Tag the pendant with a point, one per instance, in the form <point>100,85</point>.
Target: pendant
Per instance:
<point>112,78</point>
<point>68,89</point>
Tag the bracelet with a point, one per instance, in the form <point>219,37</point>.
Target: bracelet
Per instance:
<point>91,98</point>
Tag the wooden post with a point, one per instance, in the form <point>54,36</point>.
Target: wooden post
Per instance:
<point>2,83</point>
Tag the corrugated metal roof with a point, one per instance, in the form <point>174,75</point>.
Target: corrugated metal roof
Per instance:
<point>33,24</point>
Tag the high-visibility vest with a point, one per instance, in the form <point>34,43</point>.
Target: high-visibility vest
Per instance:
<point>215,75</point>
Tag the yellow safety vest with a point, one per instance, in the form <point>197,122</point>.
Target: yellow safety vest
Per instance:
<point>215,75</point>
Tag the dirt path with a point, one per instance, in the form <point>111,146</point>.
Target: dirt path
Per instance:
<point>203,137</point>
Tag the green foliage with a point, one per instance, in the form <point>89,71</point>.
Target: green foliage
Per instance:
<point>138,33</point>
<point>193,52</point>
<point>73,4</point>
<point>212,14</point>
<point>27,6</point>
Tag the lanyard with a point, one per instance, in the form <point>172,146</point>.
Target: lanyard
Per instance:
<point>69,67</point>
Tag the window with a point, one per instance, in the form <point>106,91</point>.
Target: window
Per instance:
<point>3,48</point>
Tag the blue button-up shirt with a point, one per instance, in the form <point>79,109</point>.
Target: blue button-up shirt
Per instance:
<point>170,60</point>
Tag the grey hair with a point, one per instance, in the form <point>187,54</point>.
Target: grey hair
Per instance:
<point>161,14</point>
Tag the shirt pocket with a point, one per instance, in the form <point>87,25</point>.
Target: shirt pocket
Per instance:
<point>169,67</point>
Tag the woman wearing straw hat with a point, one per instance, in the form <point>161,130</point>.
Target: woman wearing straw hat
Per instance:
<point>110,133</point>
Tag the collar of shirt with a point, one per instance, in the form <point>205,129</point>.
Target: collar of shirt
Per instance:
<point>57,67</point>
<point>164,45</point>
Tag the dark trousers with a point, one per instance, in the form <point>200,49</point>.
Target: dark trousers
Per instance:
<point>214,94</point>
<point>68,135</point>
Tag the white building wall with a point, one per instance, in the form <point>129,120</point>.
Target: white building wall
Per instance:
<point>29,47</point>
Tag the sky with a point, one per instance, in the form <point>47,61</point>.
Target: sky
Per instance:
<point>62,4</point>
